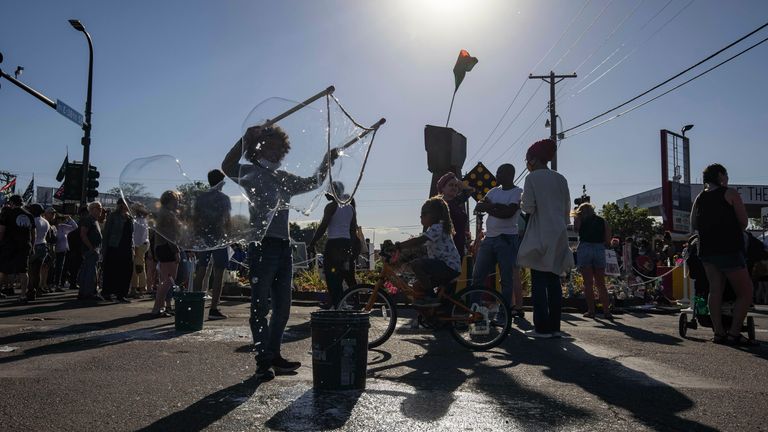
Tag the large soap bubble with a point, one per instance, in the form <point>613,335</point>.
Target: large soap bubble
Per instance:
<point>189,212</point>
<point>305,146</point>
<point>287,157</point>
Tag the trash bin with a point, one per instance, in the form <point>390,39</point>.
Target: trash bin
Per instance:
<point>339,349</point>
<point>190,310</point>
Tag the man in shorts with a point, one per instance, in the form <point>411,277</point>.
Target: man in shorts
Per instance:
<point>17,233</point>
<point>212,224</point>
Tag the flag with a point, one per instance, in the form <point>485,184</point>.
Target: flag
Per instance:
<point>59,193</point>
<point>464,64</point>
<point>27,197</point>
<point>9,188</point>
<point>63,170</point>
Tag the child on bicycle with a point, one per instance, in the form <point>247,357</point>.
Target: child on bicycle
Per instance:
<point>442,263</point>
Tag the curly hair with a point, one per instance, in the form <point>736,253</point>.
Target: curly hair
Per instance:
<point>438,209</point>
<point>255,139</point>
<point>168,196</point>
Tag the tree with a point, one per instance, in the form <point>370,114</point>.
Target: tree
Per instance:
<point>630,221</point>
<point>131,191</point>
<point>299,234</point>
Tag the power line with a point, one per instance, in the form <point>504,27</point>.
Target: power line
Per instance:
<point>670,90</point>
<point>562,35</point>
<point>578,39</point>
<point>512,122</point>
<point>635,49</point>
<point>669,79</point>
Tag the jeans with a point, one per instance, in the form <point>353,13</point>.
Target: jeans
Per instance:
<point>87,277</point>
<point>271,265</point>
<point>547,298</point>
<point>58,271</point>
<point>501,249</point>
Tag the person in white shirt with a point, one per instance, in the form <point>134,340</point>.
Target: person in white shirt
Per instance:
<point>500,244</point>
<point>39,251</point>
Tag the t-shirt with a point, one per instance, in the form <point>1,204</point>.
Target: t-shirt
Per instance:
<point>41,230</point>
<point>94,231</point>
<point>18,224</point>
<point>497,226</point>
<point>440,246</point>
<point>270,193</point>
<point>212,209</point>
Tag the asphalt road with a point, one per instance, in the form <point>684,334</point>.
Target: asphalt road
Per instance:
<point>109,367</point>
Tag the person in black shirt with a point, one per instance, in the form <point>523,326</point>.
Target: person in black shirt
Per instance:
<point>17,233</point>
<point>720,217</point>
<point>594,233</point>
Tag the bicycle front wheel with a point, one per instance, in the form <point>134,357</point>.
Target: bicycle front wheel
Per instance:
<point>481,321</point>
<point>383,314</point>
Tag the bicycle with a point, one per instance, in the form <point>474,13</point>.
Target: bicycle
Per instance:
<point>477,318</point>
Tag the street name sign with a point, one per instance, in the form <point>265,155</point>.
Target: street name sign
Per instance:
<point>69,112</point>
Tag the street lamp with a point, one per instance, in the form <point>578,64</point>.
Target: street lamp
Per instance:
<point>86,141</point>
<point>686,128</point>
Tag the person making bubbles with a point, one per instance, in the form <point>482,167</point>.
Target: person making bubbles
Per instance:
<point>269,190</point>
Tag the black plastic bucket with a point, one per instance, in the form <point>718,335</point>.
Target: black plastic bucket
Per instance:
<point>190,310</point>
<point>339,350</point>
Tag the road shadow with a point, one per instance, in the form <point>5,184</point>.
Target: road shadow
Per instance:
<point>162,331</point>
<point>638,333</point>
<point>316,410</point>
<point>649,401</point>
<point>207,410</point>
<point>43,306</point>
<point>73,329</point>
<point>438,374</point>
<point>297,332</point>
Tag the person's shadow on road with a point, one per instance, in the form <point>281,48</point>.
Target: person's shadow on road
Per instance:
<point>207,410</point>
<point>651,402</point>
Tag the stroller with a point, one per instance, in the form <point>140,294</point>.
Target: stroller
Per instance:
<point>699,308</point>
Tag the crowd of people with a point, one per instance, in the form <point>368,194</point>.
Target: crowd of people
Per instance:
<point>527,227</point>
<point>106,255</point>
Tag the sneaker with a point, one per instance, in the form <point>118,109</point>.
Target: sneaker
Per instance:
<point>123,300</point>
<point>59,289</point>
<point>281,365</point>
<point>427,302</point>
<point>264,372</point>
<point>517,313</point>
<point>536,335</point>
<point>215,314</point>
<point>2,295</point>
<point>106,297</point>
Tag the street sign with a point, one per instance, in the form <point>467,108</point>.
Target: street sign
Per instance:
<point>69,112</point>
<point>481,179</point>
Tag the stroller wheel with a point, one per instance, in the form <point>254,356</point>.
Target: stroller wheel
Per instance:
<point>751,328</point>
<point>683,325</point>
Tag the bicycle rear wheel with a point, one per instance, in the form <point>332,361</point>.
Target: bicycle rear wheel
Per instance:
<point>383,314</point>
<point>483,322</point>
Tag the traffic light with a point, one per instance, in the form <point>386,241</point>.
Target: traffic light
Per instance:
<point>584,198</point>
<point>73,181</point>
<point>90,188</point>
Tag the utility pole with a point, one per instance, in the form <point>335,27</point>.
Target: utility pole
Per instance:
<point>552,79</point>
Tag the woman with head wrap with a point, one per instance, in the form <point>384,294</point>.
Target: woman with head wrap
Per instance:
<point>455,193</point>
<point>544,248</point>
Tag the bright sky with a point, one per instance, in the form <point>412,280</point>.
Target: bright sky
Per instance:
<point>179,77</point>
